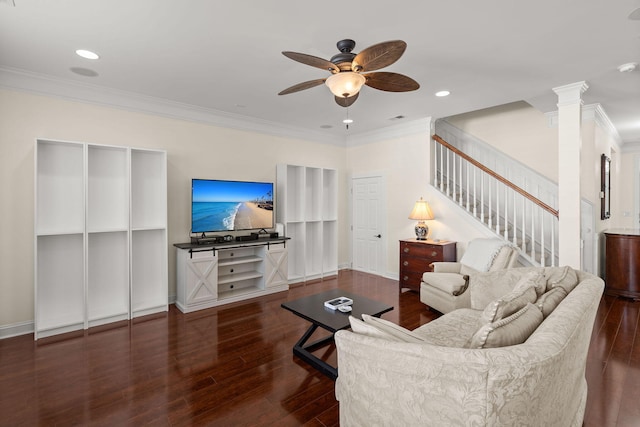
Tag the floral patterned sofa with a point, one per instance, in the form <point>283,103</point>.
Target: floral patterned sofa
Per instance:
<point>515,357</point>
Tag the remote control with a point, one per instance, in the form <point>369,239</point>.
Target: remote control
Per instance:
<point>336,303</point>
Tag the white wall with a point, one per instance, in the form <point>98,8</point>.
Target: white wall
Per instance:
<point>193,150</point>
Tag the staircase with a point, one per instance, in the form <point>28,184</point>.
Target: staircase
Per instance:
<point>516,204</point>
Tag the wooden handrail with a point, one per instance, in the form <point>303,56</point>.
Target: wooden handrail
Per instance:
<point>500,178</point>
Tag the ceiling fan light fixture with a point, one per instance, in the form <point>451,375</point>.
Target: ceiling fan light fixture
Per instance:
<point>87,54</point>
<point>345,84</point>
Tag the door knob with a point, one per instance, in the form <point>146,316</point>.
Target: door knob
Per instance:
<point>378,236</point>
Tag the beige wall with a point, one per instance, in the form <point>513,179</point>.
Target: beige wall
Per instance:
<point>193,150</point>
<point>404,162</point>
<point>518,130</point>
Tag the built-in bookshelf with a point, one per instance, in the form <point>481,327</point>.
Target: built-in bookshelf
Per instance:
<point>307,206</point>
<point>91,265</point>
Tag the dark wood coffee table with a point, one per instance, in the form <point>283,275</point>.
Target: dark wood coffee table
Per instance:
<point>312,308</point>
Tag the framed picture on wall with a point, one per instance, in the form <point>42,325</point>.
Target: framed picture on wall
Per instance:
<point>605,187</point>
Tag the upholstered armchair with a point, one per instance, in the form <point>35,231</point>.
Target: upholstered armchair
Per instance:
<point>444,289</point>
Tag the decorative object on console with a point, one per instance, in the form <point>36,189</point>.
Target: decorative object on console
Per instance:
<point>422,212</point>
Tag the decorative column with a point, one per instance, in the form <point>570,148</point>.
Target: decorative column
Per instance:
<point>569,173</point>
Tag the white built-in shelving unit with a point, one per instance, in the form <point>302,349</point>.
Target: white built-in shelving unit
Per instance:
<point>88,255</point>
<point>307,206</point>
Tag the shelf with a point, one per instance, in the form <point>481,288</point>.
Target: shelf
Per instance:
<point>239,260</point>
<point>238,277</point>
<point>61,232</point>
<point>228,294</point>
<point>108,187</point>
<point>60,184</point>
<point>148,189</point>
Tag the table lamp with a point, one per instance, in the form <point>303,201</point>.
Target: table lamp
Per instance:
<point>422,212</point>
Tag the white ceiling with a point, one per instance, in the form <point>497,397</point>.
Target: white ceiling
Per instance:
<point>224,57</point>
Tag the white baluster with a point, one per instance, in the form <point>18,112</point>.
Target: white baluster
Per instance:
<point>524,226</point>
<point>542,261</point>
<point>533,232</point>
<point>506,212</point>
<point>497,209</point>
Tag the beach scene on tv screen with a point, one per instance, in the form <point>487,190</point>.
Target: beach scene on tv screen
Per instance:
<point>231,205</point>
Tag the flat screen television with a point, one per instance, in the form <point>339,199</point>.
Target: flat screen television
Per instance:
<point>220,205</point>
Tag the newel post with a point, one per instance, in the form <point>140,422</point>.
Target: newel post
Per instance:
<point>569,175</point>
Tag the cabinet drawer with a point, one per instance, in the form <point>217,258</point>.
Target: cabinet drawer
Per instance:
<point>410,280</point>
<point>421,250</point>
<point>416,265</point>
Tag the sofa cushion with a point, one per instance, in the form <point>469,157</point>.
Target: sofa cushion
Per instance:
<point>449,283</point>
<point>454,329</point>
<point>487,287</point>
<point>380,328</point>
<point>565,277</point>
<point>508,304</point>
<point>548,301</point>
<point>511,330</point>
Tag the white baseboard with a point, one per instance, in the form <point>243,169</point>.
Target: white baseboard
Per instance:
<point>22,328</point>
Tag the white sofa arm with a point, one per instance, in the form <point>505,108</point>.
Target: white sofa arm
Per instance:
<point>386,383</point>
<point>446,267</point>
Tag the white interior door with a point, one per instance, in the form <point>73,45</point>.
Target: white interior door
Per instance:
<point>369,238</point>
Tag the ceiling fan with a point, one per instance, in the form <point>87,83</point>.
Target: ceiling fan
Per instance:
<point>346,69</point>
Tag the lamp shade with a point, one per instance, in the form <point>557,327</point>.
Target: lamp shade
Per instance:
<point>421,211</point>
<point>345,84</point>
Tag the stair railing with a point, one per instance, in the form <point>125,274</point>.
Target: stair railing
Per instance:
<point>510,211</point>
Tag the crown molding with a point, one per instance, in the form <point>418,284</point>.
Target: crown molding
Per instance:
<point>419,126</point>
<point>591,113</point>
<point>26,81</point>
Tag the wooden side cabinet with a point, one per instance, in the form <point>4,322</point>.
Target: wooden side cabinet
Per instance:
<point>415,257</point>
<point>622,263</point>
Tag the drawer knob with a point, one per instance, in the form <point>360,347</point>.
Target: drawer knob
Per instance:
<point>405,263</point>
<point>434,253</point>
<point>406,250</point>
<point>405,278</point>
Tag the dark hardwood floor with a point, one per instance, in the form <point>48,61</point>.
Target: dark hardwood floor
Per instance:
<point>233,366</point>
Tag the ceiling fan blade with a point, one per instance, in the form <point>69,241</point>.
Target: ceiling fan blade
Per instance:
<point>390,82</point>
<point>378,56</point>
<point>302,86</point>
<point>346,102</point>
<point>314,61</point>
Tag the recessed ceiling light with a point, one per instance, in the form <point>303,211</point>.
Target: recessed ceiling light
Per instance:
<point>347,121</point>
<point>443,93</point>
<point>627,68</point>
<point>87,54</point>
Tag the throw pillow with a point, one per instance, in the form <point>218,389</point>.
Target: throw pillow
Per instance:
<point>391,328</point>
<point>508,304</point>
<point>383,330</point>
<point>533,278</point>
<point>550,300</point>
<point>566,277</point>
<point>511,330</point>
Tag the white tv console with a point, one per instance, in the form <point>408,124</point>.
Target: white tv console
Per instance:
<point>221,273</point>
